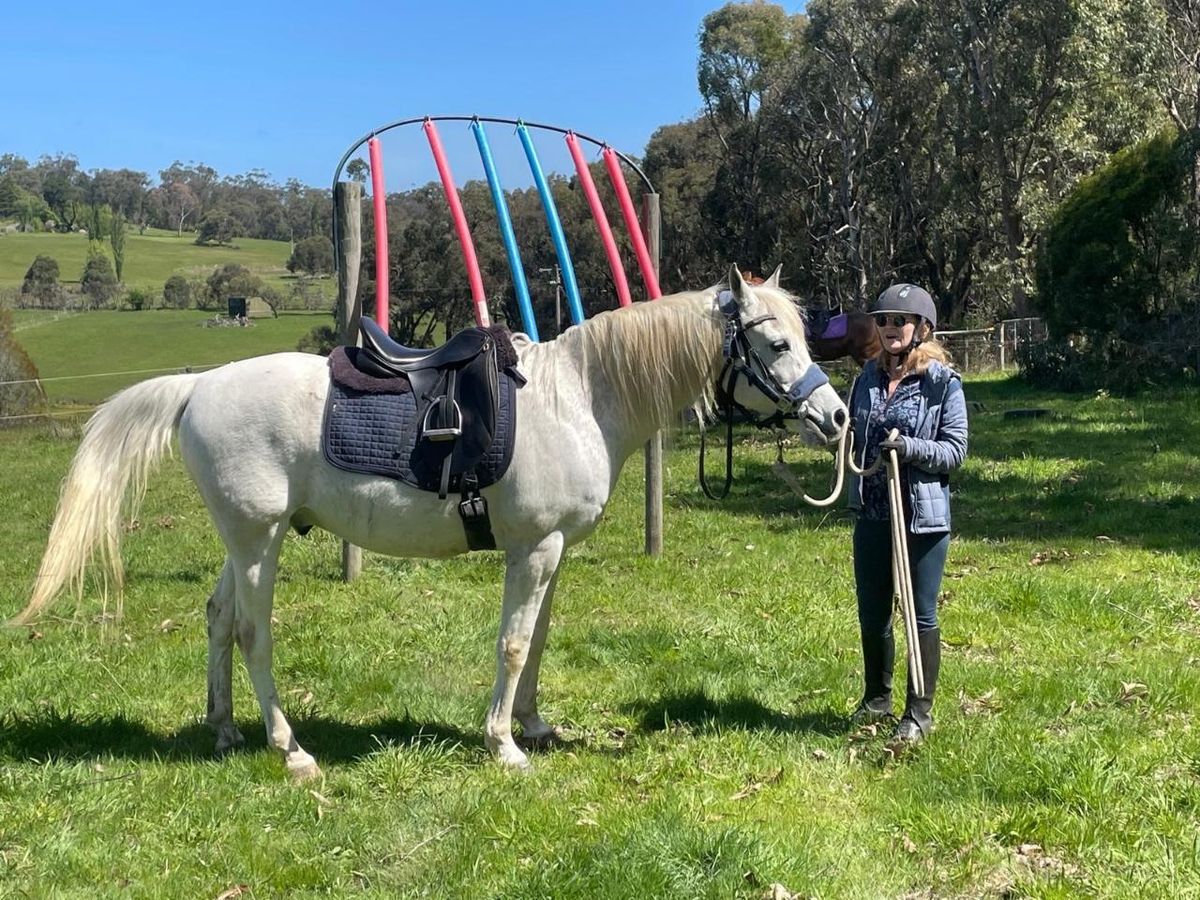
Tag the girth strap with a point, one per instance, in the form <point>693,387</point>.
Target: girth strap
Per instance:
<point>473,510</point>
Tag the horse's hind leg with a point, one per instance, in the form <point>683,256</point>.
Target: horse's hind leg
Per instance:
<point>526,580</point>
<point>255,561</point>
<point>220,662</point>
<point>534,729</point>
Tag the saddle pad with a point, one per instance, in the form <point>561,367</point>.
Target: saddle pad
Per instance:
<point>375,433</point>
<point>833,328</point>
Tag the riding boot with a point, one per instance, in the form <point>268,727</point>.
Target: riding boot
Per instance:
<point>879,655</point>
<point>917,721</point>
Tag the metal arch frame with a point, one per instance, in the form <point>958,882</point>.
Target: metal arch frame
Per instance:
<point>625,158</point>
<point>417,120</point>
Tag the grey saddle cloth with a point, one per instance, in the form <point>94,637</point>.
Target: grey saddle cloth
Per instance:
<point>372,426</point>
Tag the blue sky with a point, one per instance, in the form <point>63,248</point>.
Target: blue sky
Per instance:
<point>287,87</point>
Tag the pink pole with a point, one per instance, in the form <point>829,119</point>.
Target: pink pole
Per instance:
<point>606,235</point>
<point>460,224</point>
<point>379,202</point>
<point>613,164</point>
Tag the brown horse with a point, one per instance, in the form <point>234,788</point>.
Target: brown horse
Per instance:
<point>850,334</point>
<point>833,335</point>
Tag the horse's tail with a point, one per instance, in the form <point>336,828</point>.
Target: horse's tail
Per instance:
<point>121,445</point>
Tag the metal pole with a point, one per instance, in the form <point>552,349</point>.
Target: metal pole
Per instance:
<point>347,199</point>
<point>557,300</point>
<point>557,282</point>
<point>652,225</point>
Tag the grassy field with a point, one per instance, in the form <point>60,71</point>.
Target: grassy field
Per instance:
<point>150,259</point>
<point>704,693</point>
<point>66,345</point>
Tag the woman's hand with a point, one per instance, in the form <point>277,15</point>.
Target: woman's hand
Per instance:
<point>895,442</point>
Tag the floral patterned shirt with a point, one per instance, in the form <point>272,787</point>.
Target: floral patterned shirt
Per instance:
<point>898,411</point>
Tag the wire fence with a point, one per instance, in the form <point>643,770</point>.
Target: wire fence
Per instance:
<point>973,350</point>
<point>46,413</point>
<point>989,349</point>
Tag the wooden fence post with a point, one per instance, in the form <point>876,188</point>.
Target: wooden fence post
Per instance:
<point>347,199</point>
<point>652,225</point>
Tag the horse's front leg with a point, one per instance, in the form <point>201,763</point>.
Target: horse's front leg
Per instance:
<point>534,729</point>
<point>220,662</point>
<point>529,574</point>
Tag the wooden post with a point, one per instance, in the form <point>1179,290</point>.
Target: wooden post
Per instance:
<point>1001,346</point>
<point>652,226</point>
<point>347,199</point>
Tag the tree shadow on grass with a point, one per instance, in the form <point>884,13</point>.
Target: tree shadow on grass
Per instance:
<point>51,735</point>
<point>703,713</point>
<point>1081,472</point>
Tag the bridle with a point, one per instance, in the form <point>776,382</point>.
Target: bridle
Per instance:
<point>742,360</point>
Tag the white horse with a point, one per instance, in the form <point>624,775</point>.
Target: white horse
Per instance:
<point>250,435</point>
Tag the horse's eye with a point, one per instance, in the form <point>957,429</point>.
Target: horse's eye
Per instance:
<point>781,346</point>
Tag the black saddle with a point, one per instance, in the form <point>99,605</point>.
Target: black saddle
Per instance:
<point>440,420</point>
<point>386,358</point>
<point>459,375</point>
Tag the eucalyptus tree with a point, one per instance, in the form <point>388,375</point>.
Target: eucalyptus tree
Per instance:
<point>744,48</point>
<point>824,162</point>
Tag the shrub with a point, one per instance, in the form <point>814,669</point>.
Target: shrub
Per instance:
<point>99,281</point>
<point>1095,360</point>
<point>15,365</point>
<point>41,287</point>
<point>1118,251</point>
<point>230,280</point>
<point>313,255</point>
<point>139,299</point>
<point>321,339</point>
<point>177,293</point>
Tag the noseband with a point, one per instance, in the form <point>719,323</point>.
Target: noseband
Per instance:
<point>742,360</point>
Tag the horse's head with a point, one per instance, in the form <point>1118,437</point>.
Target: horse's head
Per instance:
<point>765,343</point>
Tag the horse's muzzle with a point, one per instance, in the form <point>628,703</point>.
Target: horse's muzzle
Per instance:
<point>823,416</point>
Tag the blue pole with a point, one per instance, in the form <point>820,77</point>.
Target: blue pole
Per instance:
<point>506,232</point>
<point>556,232</point>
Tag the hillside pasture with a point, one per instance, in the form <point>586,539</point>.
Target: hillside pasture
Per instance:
<point>704,695</point>
<point>80,348</point>
<point>150,258</point>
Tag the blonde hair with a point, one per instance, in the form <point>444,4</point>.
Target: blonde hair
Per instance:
<point>917,361</point>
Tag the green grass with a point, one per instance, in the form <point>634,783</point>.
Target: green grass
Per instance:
<point>150,259</point>
<point>105,341</point>
<point>704,693</point>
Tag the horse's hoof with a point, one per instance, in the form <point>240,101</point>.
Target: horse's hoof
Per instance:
<point>304,771</point>
<point>229,741</point>
<point>545,740</point>
<point>514,761</point>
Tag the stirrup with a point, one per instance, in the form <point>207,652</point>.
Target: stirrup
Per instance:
<point>445,432</point>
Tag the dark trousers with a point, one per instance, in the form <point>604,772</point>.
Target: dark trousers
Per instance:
<point>873,575</point>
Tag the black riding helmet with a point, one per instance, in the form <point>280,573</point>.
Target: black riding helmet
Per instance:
<point>909,300</point>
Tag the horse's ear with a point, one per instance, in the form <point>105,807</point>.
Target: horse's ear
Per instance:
<point>737,283</point>
<point>773,281</point>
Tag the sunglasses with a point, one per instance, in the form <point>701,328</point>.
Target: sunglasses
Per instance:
<point>881,319</point>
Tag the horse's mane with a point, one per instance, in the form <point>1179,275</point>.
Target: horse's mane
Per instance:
<point>652,355</point>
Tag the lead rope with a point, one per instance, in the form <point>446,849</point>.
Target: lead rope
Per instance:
<point>901,573</point>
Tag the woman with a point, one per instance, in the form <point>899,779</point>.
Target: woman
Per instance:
<point>911,388</point>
